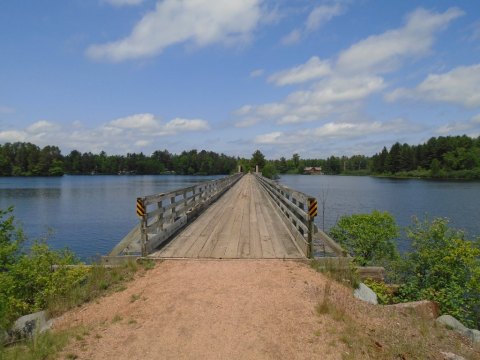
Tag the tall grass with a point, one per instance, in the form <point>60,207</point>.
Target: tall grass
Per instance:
<point>338,271</point>
<point>99,281</point>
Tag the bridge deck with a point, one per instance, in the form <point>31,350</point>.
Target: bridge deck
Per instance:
<point>243,223</point>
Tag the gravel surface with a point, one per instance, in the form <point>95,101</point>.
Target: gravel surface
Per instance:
<point>249,309</point>
<point>240,309</point>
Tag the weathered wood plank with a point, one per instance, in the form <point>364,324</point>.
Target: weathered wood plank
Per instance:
<point>242,224</point>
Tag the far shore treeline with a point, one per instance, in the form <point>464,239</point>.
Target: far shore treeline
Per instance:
<point>454,157</point>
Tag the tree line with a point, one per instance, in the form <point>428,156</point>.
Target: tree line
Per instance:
<point>26,159</point>
<point>440,157</point>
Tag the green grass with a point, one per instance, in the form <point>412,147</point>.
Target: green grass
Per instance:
<point>44,346</point>
<point>100,281</point>
<point>346,275</point>
<point>147,264</point>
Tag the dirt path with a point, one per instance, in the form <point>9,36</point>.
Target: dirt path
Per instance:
<point>208,310</point>
<point>248,309</point>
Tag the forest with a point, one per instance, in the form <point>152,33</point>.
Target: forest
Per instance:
<point>450,157</point>
<point>455,157</point>
<point>26,159</point>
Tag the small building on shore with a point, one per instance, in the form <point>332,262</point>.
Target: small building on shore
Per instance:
<point>313,170</point>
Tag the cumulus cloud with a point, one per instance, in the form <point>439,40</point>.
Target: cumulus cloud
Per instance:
<point>460,86</point>
<point>331,95</point>
<point>12,136</point>
<point>181,125</point>
<point>322,14</point>
<point>314,68</point>
<point>120,135</point>
<point>123,2</point>
<point>316,18</point>
<point>470,127</point>
<point>336,131</point>
<point>199,22</point>
<point>40,126</point>
<point>143,122</point>
<point>335,87</point>
<point>385,52</point>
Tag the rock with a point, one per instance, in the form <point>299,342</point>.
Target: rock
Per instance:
<point>429,308</point>
<point>366,294</point>
<point>29,326</point>
<point>451,356</point>
<point>474,335</point>
<point>452,323</point>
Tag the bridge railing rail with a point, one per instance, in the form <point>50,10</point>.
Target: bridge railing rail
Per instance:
<point>294,206</point>
<point>166,213</point>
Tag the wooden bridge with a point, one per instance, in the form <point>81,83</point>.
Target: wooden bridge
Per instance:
<point>240,216</point>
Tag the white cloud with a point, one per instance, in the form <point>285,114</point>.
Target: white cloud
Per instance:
<point>459,86</point>
<point>256,73</point>
<point>339,87</point>
<point>13,136</point>
<point>316,18</point>
<point>130,133</point>
<point>200,22</point>
<point>470,127</point>
<point>313,69</point>
<point>322,14</point>
<point>337,131</point>
<point>385,52</point>
<point>40,126</point>
<point>123,2</point>
<point>143,122</point>
<point>182,125</point>
<point>292,38</point>
<point>328,96</point>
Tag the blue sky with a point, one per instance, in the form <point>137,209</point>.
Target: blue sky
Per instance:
<point>317,78</point>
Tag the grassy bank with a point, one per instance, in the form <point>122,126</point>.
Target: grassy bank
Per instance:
<point>98,281</point>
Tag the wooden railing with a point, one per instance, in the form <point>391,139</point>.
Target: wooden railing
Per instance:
<point>294,206</point>
<point>166,213</point>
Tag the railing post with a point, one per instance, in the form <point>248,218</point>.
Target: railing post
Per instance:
<point>312,212</point>
<point>142,213</point>
<point>160,217</point>
<point>144,239</point>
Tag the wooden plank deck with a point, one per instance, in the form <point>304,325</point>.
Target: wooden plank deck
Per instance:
<point>243,223</point>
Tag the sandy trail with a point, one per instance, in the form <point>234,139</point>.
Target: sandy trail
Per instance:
<point>239,309</point>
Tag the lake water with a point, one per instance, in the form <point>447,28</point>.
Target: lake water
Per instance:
<point>88,214</point>
<point>91,214</point>
<point>403,198</point>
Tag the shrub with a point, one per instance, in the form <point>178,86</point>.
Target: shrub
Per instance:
<point>445,267</point>
<point>367,237</point>
<point>26,278</point>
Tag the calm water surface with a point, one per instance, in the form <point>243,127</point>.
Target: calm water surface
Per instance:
<point>90,214</point>
<point>457,200</point>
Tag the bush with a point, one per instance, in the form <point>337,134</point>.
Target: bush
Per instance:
<point>445,267</point>
<point>367,237</point>
<point>270,171</point>
<point>26,278</point>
